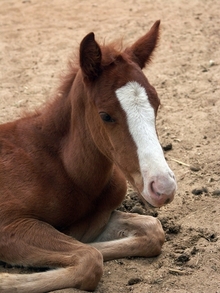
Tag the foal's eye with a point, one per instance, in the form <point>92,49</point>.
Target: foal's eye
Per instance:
<point>105,117</point>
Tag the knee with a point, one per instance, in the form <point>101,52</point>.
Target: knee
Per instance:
<point>153,237</point>
<point>97,261</point>
<point>93,271</point>
<point>158,238</point>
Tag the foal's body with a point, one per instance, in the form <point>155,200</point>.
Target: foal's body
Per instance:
<point>63,170</point>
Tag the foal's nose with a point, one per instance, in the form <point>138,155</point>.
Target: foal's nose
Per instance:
<point>157,190</point>
<point>162,188</point>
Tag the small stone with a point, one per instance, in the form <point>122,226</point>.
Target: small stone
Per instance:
<point>197,191</point>
<point>211,63</point>
<point>184,257</point>
<point>167,147</point>
<point>133,281</point>
<point>195,168</point>
<point>216,192</point>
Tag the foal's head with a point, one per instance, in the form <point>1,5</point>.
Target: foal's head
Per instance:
<point>121,107</point>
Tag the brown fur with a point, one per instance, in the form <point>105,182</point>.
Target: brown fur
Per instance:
<point>63,173</point>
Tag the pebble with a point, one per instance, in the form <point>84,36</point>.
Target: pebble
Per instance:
<point>184,257</point>
<point>195,168</point>
<point>167,147</point>
<point>216,192</point>
<point>133,281</point>
<point>211,63</point>
<point>197,191</point>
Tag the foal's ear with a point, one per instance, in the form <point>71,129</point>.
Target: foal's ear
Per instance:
<point>142,49</point>
<point>90,57</point>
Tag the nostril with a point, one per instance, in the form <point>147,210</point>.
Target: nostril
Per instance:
<point>153,189</point>
<point>162,188</point>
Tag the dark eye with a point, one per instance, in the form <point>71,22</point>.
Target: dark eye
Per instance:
<point>105,117</point>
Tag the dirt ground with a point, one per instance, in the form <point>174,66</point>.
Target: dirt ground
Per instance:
<point>36,39</point>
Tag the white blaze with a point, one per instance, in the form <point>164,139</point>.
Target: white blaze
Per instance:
<point>141,122</point>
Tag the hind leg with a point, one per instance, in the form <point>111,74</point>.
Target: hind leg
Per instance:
<point>37,244</point>
<point>130,235</point>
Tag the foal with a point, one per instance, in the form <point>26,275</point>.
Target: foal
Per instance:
<point>63,173</point>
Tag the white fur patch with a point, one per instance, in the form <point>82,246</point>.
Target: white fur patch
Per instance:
<point>141,122</point>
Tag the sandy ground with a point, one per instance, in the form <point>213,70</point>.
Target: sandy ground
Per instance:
<point>36,39</point>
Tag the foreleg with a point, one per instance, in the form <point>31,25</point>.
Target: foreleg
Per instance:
<point>37,244</point>
<point>129,234</point>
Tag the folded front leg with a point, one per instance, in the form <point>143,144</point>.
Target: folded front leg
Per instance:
<point>30,242</point>
<point>129,234</point>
